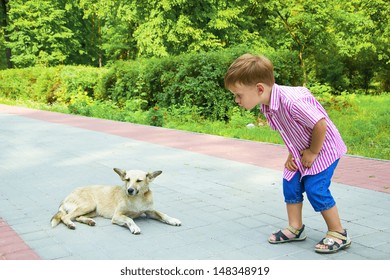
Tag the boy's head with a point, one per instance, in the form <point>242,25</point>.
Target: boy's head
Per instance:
<point>250,78</point>
<point>250,70</point>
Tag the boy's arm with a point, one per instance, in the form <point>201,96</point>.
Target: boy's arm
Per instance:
<point>290,163</point>
<point>318,136</point>
<point>317,140</point>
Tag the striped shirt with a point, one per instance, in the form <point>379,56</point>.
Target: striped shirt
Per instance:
<point>294,112</point>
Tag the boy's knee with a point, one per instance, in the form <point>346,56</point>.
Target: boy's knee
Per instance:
<point>320,201</point>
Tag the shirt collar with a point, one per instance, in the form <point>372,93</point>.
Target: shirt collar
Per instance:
<point>275,98</point>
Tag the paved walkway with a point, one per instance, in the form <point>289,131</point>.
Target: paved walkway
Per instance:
<point>226,192</point>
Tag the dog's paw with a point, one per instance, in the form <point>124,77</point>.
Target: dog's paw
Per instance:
<point>135,229</point>
<point>174,222</point>
<point>91,223</point>
<point>71,226</point>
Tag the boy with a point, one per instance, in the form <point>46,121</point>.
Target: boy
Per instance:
<point>314,144</point>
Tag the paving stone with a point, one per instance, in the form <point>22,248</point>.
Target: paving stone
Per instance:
<point>228,206</point>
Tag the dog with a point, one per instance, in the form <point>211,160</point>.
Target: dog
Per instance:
<point>121,204</point>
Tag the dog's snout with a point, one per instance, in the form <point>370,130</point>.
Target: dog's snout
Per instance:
<point>132,191</point>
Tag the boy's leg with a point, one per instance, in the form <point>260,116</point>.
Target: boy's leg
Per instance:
<point>332,219</point>
<point>292,191</point>
<point>294,213</point>
<point>320,197</point>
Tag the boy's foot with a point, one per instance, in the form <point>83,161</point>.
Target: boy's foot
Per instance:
<point>333,242</point>
<point>288,235</point>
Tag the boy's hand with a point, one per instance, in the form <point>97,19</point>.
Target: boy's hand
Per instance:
<point>290,163</point>
<point>308,157</point>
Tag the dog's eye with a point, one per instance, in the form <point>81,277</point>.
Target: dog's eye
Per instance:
<point>139,180</point>
<point>127,179</point>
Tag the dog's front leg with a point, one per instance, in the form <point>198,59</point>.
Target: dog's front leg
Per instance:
<point>123,220</point>
<point>163,218</point>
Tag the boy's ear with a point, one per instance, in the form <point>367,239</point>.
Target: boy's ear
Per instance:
<point>260,87</point>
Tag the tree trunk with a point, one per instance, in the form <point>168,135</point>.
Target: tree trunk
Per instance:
<point>299,44</point>
<point>3,4</point>
<point>303,66</point>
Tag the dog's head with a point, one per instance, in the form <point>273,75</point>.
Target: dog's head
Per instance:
<point>136,181</point>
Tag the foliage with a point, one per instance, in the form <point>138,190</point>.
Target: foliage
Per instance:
<point>365,127</point>
<point>343,44</point>
<point>48,85</point>
<point>362,43</point>
<point>3,62</point>
<point>187,91</point>
<point>185,80</point>
<point>155,117</point>
<point>191,83</point>
<point>241,117</point>
<point>38,33</point>
<point>330,101</point>
<point>184,114</point>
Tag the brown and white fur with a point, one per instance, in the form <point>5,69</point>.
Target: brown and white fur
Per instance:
<point>121,204</point>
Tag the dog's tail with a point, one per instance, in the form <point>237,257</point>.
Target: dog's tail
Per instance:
<point>56,219</point>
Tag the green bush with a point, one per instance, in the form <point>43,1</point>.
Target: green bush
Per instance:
<point>330,101</point>
<point>198,81</point>
<point>73,80</point>
<point>184,114</point>
<point>155,116</point>
<point>15,83</point>
<point>174,83</point>
<point>186,80</point>
<point>241,118</point>
<point>49,85</point>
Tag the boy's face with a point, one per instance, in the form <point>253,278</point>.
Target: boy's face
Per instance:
<point>246,96</point>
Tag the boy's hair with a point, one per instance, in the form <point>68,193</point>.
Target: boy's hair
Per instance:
<point>249,70</point>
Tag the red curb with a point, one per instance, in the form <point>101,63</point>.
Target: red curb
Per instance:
<point>12,247</point>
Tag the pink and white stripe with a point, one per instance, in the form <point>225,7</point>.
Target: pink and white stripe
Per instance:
<point>294,111</point>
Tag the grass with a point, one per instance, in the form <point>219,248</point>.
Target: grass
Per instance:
<point>261,134</point>
<point>364,126</point>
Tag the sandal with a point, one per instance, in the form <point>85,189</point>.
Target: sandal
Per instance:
<point>333,246</point>
<point>280,237</point>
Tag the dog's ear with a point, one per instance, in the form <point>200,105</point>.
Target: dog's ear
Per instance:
<point>121,173</point>
<point>152,175</point>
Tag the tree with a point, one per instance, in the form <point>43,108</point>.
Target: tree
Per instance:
<point>86,39</point>
<point>362,34</point>
<point>171,27</point>
<point>4,24</point>
<point>38,33</point>
<point>117,32</point>
<point>340,43</point>
<point>305,23</point>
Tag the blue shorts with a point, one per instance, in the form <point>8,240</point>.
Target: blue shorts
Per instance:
<point>316,188</point>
